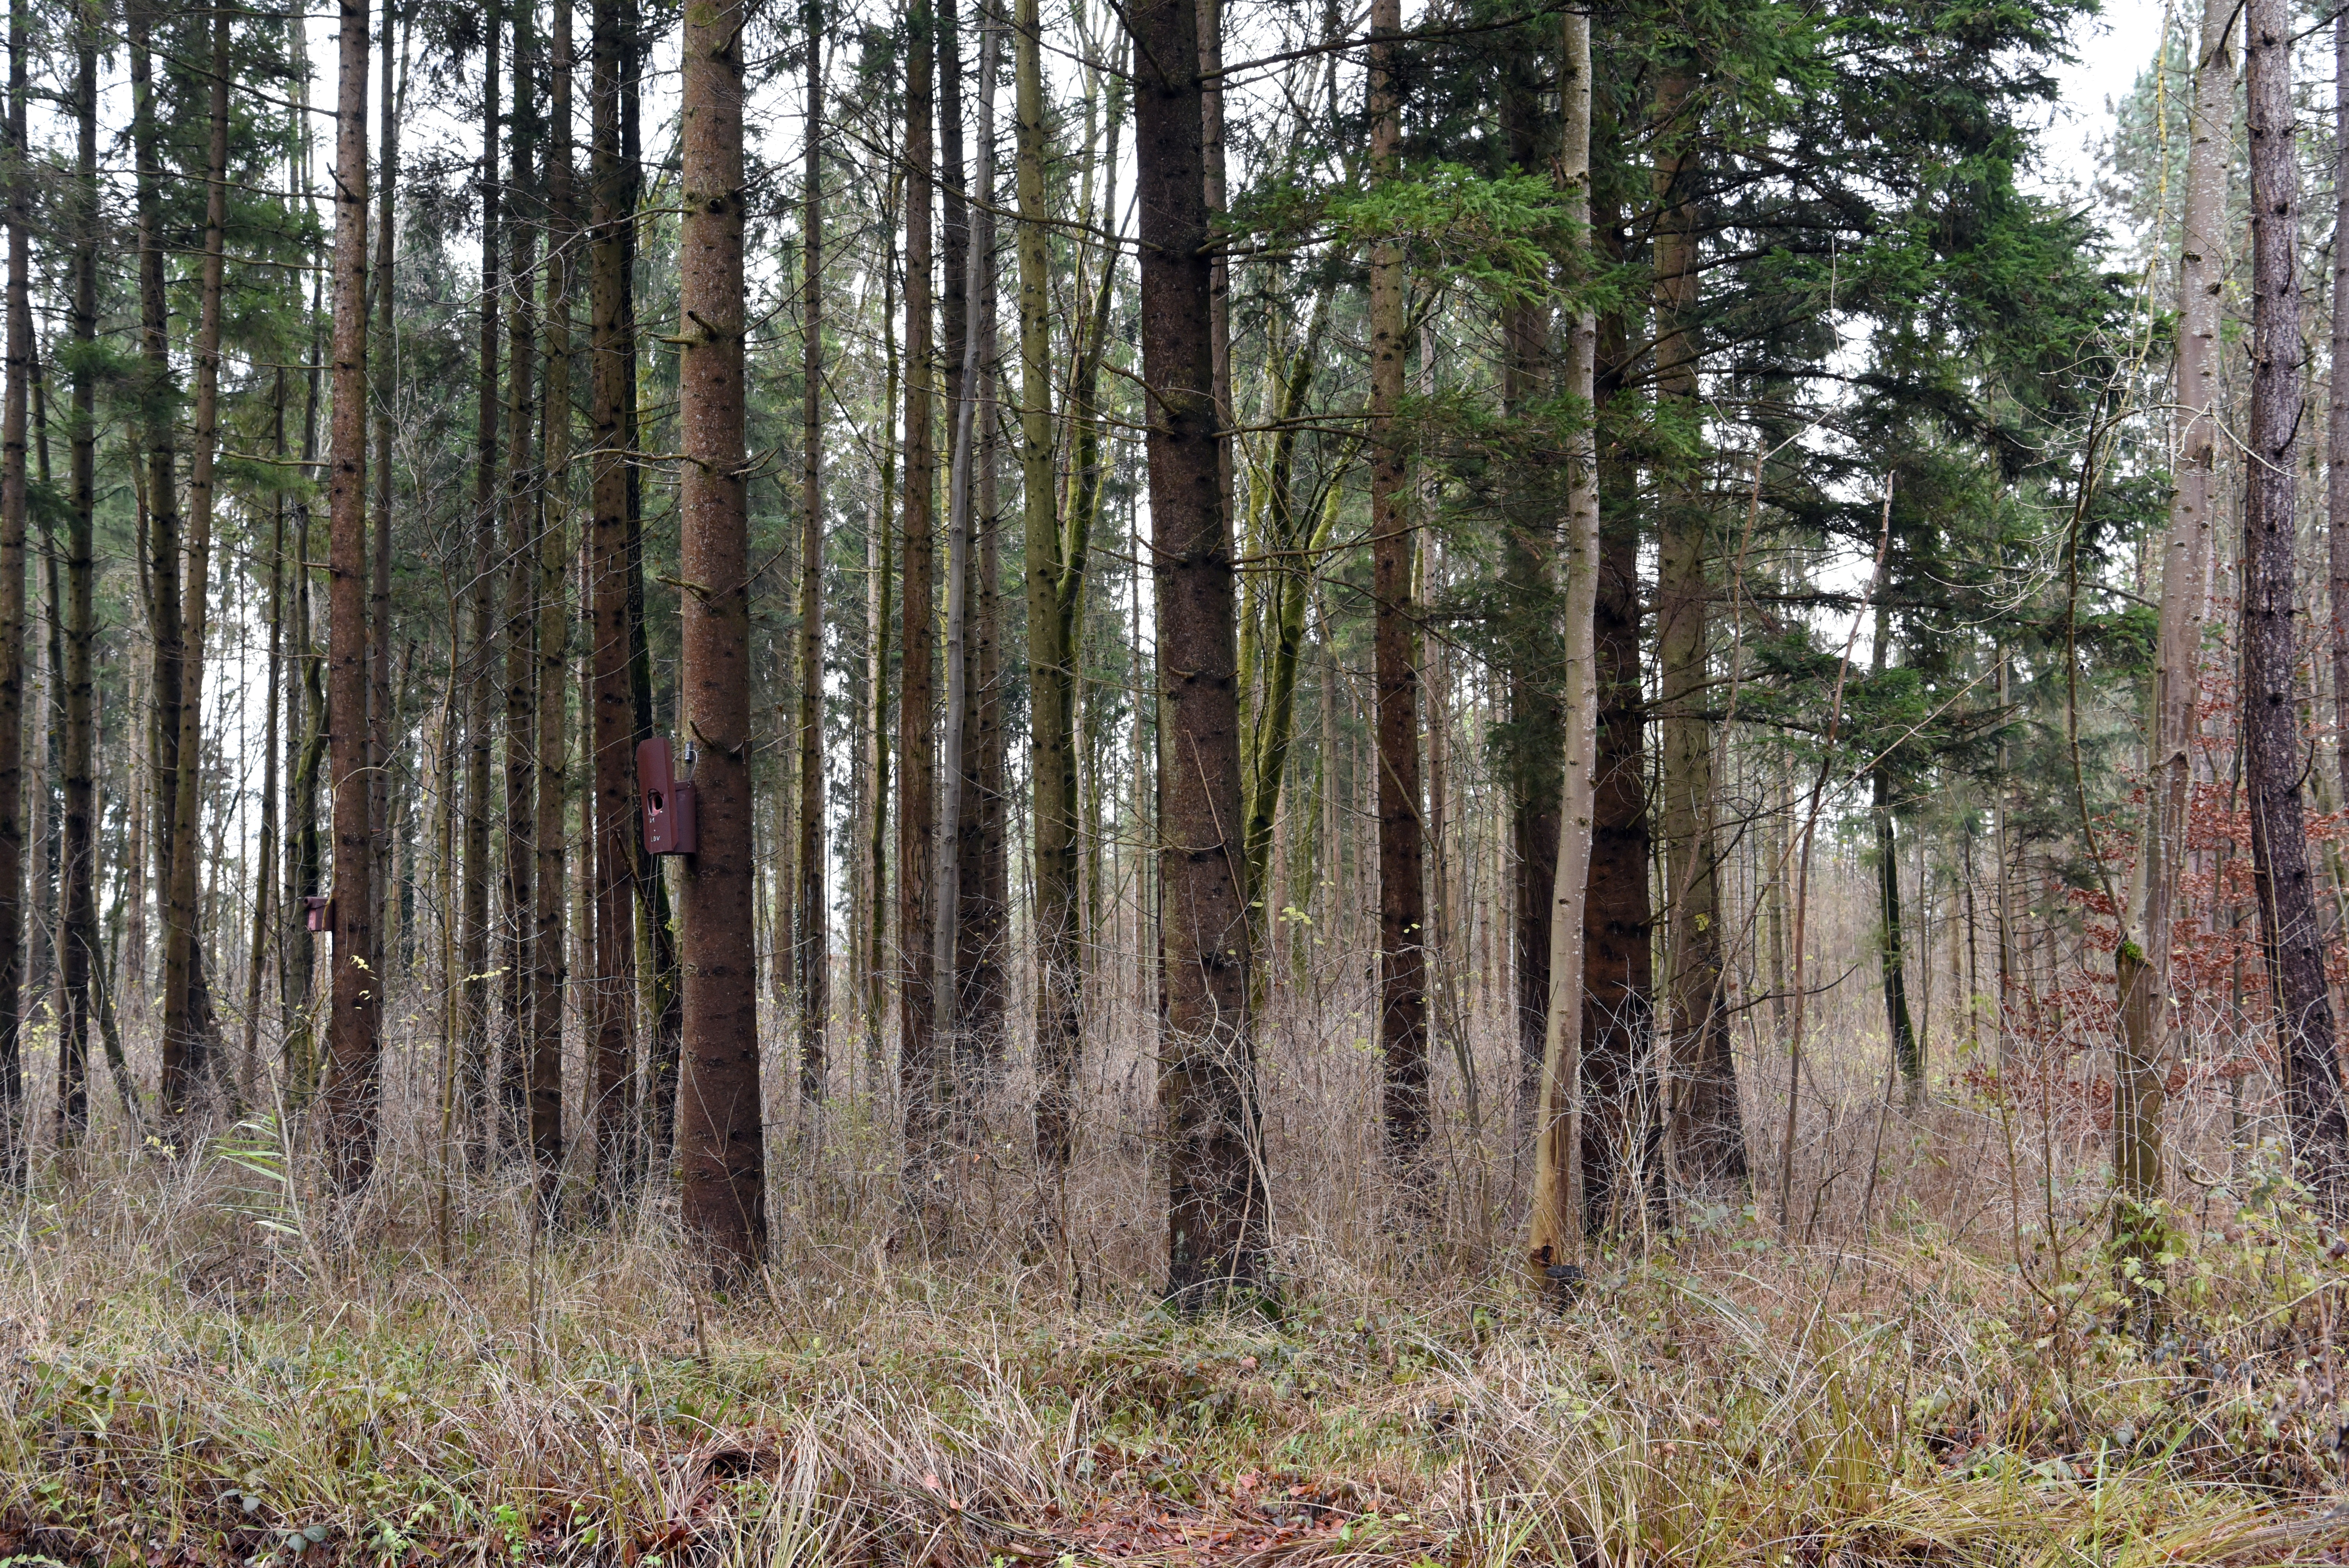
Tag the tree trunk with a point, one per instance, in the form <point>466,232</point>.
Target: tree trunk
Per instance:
<point>2141,963</point>
<point>1402,884</point>
<point>612,995</point>
<point>984,916</point>
<point>1554,1234</point>
<point>1620,1121</point>
<point>1216,1205</point>
<point>1536,742</point>
<point>76,899</point>
<point>264,906</point>
<point>878,550</point>
<point>988,923</point>
<point>49,706</point>
<point>159,422</point>
<point>14,497</point>
<point>954,261</point>
<point>1055,587</point>
<point>960,870</point>
<point>719,1121</point>
<point>1892,951</point>
<point>519,566</point>
<point>812,963</point>
<point>353,1089</point>
<point>306,718</point>
<point>483,655</point>
<point>1219,272</point>
<point>181,956</point>
<point>1706,1132</point>
<point>920,1086</point>
<point>2294,940</point>
<point>2197,273</point>
<point>549,955</point>
<point>657,961</point>
<point>1293,533</point>
<point>381,704</point>
<point>1892,948</point>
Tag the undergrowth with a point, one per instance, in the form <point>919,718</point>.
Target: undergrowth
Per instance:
<point>198,1370</point>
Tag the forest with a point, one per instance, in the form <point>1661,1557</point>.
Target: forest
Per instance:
<point>969,782</point>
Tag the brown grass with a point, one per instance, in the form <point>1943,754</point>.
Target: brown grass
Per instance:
<point>199,1372</point>
<point>204,1364</point>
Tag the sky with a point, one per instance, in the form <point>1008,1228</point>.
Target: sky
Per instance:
<point>2110,51</point>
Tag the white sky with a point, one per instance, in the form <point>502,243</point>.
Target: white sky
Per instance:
<point>2111,49</point>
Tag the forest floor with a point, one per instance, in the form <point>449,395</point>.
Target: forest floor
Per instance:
<point>193,1375</point>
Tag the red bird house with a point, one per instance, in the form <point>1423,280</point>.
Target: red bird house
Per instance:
<point>667,800</point>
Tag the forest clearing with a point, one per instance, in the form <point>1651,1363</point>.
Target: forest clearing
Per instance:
<point>1173,783</point>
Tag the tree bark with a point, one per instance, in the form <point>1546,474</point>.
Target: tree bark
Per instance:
<point>988,895</point>
<point>77,897</point>
<point>548,954</point>
<point>2141,963</point>
<point>958,868</point>
<point>181,955</point>
<point>1892,950</point>
<point>265,905</point>
<point>1555,1225</point>
<point>1055,589</point>
<point>519,567</point>
<point>878,970</point>
<point>1218,1218</point>
<point>13,500</point>
<point>2196,271</point>
<point>393,95</point>
<point>1620,1122</point>
<point>1706,1131</point>
<point>305,719</point>
<point>355,1037</point>
<point>2293,941</point>
<point>719,1130</point>
<point>158,422</point>
<point>658,958</point>
<point>1535,739</point>
<point>482,654</point>
<point>1294,532</point>
<point>919,1080</point>
<point>612,996</point>
<point>1402,884</point>
<point>1219,271</point>
<point>812,963</point>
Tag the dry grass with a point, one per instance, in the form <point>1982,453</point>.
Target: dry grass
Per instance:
<point>199,1372</point>
<point>202,1365</point>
